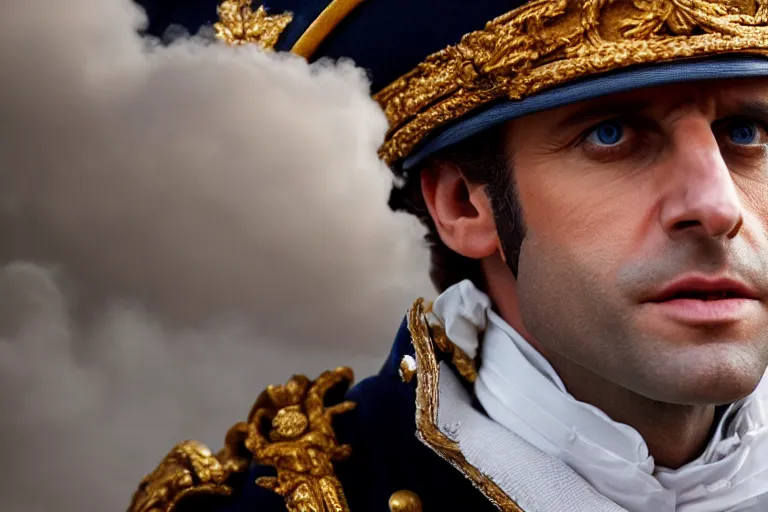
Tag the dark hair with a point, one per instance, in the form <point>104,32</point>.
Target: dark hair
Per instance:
<point>482,159</point>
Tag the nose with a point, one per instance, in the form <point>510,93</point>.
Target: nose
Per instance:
<point>702,198</point>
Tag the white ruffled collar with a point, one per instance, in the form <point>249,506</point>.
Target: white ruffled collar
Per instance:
<point>520,390</point>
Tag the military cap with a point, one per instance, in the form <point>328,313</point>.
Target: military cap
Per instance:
<point>445,70</point>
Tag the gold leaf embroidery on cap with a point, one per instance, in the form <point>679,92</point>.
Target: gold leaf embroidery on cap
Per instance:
<point>546,43</point>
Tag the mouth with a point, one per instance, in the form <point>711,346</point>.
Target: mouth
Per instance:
<point>703,289</point>
<point>700,300</point>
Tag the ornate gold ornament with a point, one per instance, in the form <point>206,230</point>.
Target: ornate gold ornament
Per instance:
<point>240,24</point>
<point>301,443</point>
<point>427,395</point>
<point>546,43</point>
<point>289,428</point>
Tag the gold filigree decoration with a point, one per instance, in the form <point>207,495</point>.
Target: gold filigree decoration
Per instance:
<point>546,43</point>
<point>299,441</point>
<point>190,470</point>
<point>240,24</point>
<point>289,428</point>
<point>427,393</point>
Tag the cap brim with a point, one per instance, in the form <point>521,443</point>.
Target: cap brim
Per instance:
<point>594,87</point>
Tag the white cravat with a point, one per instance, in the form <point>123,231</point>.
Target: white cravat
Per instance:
<point>520,390</point>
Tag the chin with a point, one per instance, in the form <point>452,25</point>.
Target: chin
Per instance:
<point>697,365</point>
<point>711,377</point>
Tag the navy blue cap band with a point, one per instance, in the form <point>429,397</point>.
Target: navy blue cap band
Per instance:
<point>594,87</point>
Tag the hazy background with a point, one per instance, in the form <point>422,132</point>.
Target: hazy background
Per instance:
<point>179,227</point>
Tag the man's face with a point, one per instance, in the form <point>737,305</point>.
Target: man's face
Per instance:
<point>645,258</point>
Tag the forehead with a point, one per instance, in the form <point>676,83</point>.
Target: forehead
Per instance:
<point>720,93</point>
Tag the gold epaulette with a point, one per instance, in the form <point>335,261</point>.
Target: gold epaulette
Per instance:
<point>288,428</point>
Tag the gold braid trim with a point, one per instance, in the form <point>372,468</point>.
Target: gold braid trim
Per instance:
<point>546,43</point>
<point>427,397</point>
<point>289,428</point>
<point>326,23</point>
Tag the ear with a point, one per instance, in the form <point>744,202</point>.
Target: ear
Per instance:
<point>461,211</point>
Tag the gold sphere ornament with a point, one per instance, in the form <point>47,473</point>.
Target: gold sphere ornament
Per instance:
<point>405,501</point>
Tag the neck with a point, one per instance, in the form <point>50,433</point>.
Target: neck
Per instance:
<point>675,434</point>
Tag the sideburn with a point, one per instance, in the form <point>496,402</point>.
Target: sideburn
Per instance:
<point>508,214</point>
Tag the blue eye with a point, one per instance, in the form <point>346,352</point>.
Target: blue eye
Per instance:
<point>744,133</point>
<point>607,134</point>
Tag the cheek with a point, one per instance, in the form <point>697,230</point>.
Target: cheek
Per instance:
<point>753,195</point>
<point>594,217</point>
<point>570,307</point>
<point>754,199</point>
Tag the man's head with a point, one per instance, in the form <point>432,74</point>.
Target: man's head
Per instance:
<point>635,234</point>
<point>586,231</point>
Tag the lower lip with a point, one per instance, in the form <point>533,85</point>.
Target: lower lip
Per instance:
<point>705,312</point>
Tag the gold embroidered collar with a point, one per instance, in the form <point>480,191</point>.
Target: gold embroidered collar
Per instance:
<point>425,341</point>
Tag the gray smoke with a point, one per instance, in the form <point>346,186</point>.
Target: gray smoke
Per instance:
<point>181,226</point>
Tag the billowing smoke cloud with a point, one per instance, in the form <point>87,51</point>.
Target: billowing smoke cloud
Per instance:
<point>180,227</point>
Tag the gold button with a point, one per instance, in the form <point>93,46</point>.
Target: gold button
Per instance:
<point>404,501</point>
<point>407,368</point>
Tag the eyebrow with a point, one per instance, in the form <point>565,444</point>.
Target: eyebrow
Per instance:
<point>594,111</point>
<point>752,108</point>
<point>597,111</point>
